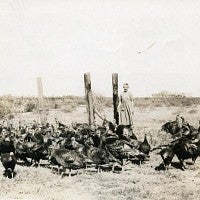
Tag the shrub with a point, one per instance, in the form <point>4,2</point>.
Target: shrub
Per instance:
<point>99,102</point>
<point>56,106</point>
<point>68,108</point>
<point>5,108</point>
<point>10,116</point>
<point>30,106</point>
<point>193,111</point>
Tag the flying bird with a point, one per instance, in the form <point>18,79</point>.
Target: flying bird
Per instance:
<point>148,47</point>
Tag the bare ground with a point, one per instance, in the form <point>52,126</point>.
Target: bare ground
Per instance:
<point>133,183</point>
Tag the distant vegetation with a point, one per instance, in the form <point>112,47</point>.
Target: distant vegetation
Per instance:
<point>167,94</point>
<point>167,102</point>
<point>10,105</point>
<point>6,103</point>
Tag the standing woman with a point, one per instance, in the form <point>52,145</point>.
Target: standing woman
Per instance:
<point>125,107</point>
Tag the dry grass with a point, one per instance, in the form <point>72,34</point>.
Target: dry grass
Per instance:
<point>134,183</point>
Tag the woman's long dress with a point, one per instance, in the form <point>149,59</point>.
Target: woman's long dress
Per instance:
<point>126,109</point>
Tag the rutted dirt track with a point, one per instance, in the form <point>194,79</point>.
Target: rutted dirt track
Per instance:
<point>134,183</point>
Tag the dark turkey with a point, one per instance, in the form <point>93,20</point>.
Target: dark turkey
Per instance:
<point>9,161</point>
<point>167,155</point>
<point>145,146</point>
<point>7,146</point>
<point>184,149</point>
<point>67,159</point>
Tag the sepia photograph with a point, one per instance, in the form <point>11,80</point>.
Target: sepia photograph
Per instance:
<point>99,100</point>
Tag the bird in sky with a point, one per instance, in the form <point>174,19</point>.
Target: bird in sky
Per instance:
<point>148,47</point>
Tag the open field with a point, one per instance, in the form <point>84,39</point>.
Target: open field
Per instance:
<point>133,183</point>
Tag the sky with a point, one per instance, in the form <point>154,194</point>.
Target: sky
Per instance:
<point>153,45</point>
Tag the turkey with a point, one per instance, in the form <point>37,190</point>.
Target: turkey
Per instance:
<point>145,146</point>
<point>7,145</point>
<point>31,150</point>
<point>185,149</point>
<point>9,161</point>
<point>125,132</point>
<point>67,159</point>
<point>167,155</point>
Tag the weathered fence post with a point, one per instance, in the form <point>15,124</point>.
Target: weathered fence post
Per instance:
<point>40,99</point>
<point>89,98</point>
<point>115,96</point>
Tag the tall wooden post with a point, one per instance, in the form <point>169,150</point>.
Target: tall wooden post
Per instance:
<point>89,98</point>
<point>40,99</point>
<point>115,96</point>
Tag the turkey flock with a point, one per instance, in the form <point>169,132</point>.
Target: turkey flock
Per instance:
<point>73,147</point>
<point>186,144</point>
<point>106,147</point>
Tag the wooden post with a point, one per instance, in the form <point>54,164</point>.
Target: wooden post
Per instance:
<point>40,99</point>
<point>89,98</point>
<point>115,96</point>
